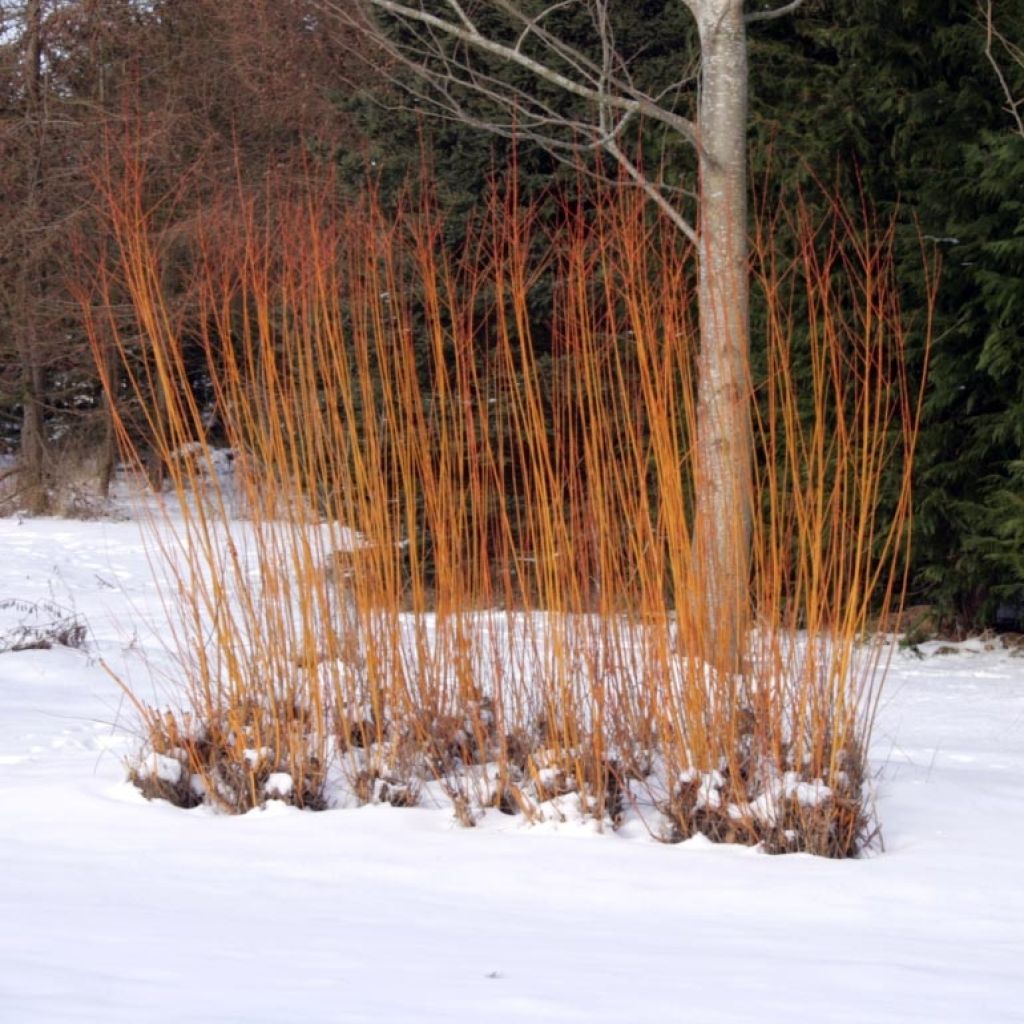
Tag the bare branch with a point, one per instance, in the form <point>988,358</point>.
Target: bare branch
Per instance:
<point>462,16</point>
<point>778,12</point>
<point>532,116</point>
<point>992,35</point>
<point>653,193</point>
<point>577,60</point>
<point>534,23</point>
<point>436,62</point>
<point>625,98</point>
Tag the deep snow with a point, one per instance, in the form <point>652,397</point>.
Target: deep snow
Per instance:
<point>114,909</point>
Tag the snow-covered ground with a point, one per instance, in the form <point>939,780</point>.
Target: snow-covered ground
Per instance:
<point>113,909</point>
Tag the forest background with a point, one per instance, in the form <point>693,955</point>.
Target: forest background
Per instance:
<point>907,107</point>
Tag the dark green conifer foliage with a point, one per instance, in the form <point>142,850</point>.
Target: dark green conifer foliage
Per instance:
<point>898,100</point>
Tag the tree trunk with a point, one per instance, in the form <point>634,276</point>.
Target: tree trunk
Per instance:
<point>32,447</point>
<point>109,448</point>
<point>107,462</point>
<point>32,489</point>
<point>724,481</point>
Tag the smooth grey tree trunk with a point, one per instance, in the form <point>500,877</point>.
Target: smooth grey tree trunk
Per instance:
<point>724,484</point>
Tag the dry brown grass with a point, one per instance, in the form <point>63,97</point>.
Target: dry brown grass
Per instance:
<point>467,566</point>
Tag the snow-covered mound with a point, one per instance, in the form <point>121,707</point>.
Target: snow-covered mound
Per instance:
<point>116,909</point>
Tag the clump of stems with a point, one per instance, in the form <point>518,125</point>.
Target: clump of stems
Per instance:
<point>466,568</point>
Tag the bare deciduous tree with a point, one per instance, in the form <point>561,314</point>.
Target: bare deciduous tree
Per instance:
<point>454,60</point>
<point>212,91</point>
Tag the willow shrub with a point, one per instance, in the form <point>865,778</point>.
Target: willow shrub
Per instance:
<point>465,570</point>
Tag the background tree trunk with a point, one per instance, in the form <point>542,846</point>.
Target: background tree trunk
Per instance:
<point>32,449</point>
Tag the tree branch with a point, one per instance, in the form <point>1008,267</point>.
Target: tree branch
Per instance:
<point>653,192</point>
<point>1013,105</point>
<point>463,17</point>
<point>778,12</point>
<point>626,100</point>
<point>433,61</point>
<point>534,23</point>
